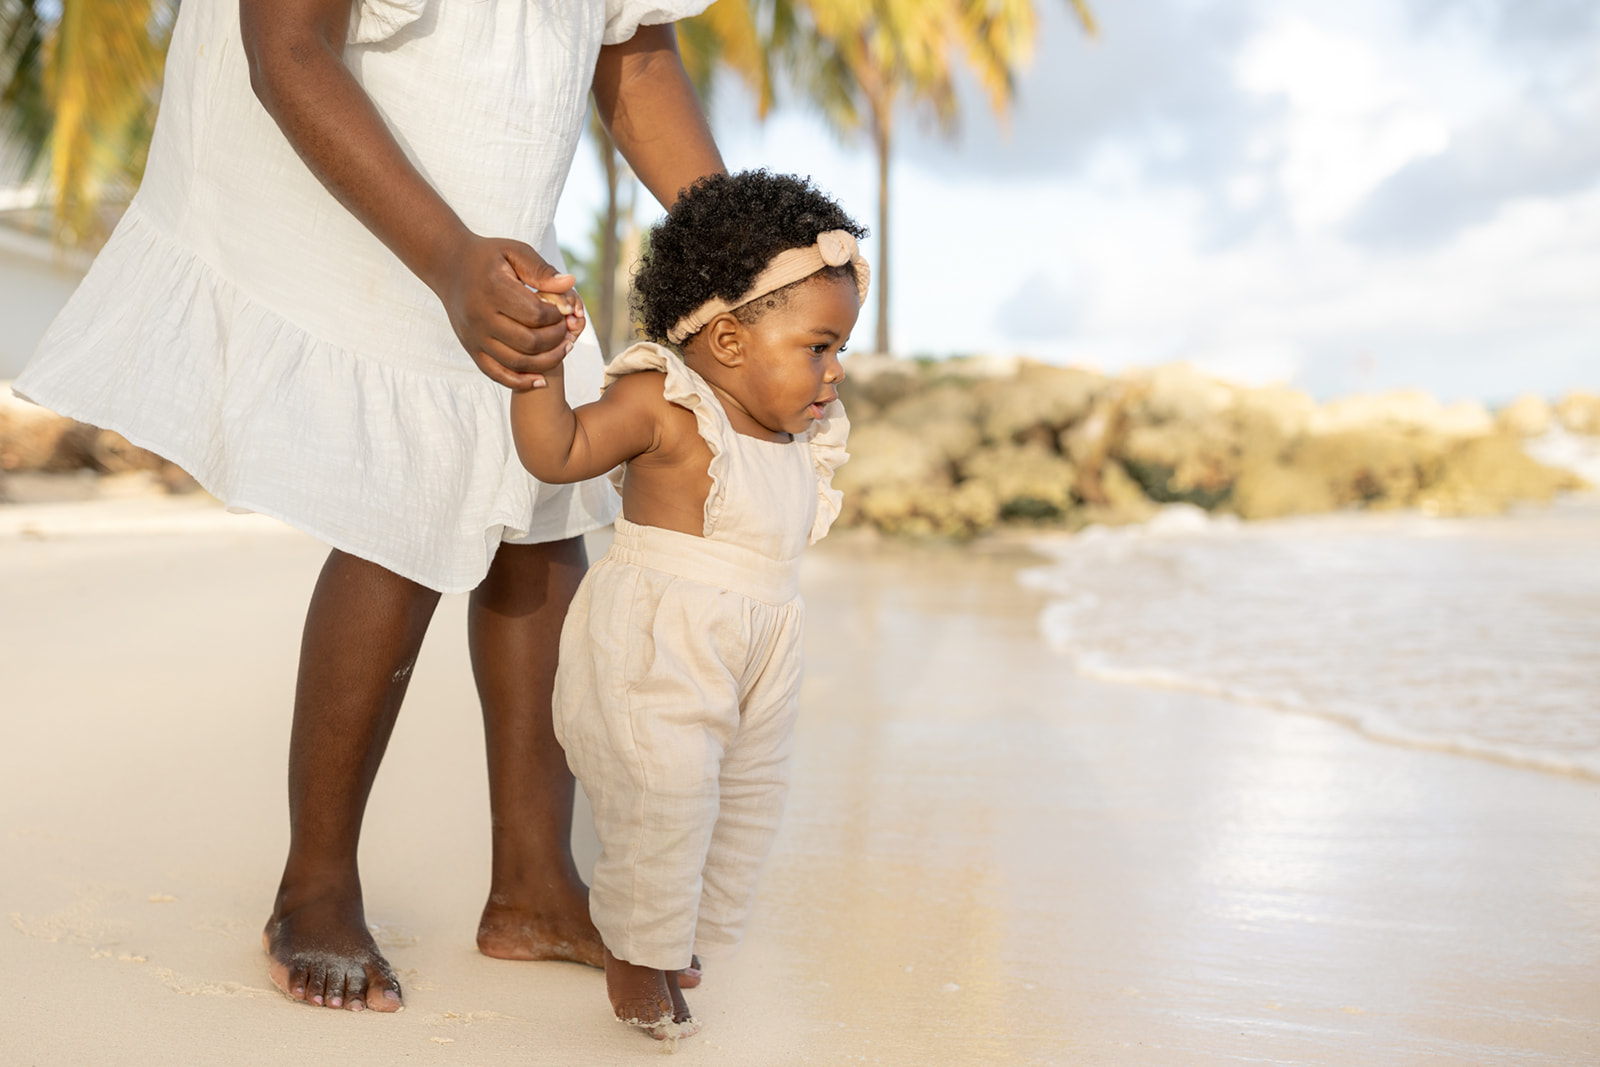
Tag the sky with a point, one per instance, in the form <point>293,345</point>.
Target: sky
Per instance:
<point>1349,197</point>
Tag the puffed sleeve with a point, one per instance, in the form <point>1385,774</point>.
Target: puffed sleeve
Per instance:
<point>375,20</point>
<point>623,17</point>
<point>828,438</point>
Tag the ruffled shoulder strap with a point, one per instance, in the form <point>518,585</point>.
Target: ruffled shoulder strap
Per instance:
<point>377,20</point>
<point>828,454</point>
<point>688,390</point>
<point>624,17</point>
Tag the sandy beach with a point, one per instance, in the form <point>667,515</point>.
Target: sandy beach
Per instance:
<point>987,859</point>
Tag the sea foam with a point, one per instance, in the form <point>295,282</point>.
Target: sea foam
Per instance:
<point>1476,636</point>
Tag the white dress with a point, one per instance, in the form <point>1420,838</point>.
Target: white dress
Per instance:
<point>243,324</point>
<point>679,681</point>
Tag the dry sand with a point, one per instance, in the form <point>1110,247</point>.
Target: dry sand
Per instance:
<point>986,859</point>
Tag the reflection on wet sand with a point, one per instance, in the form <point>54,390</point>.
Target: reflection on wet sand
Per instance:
<point>991,856</point>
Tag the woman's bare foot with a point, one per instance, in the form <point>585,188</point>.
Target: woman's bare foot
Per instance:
<point>509,930</point>
<point>321,953</point>
<point>649,999</point>
<point>549,925</point>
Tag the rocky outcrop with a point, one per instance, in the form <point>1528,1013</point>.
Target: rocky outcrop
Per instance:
<point>1027,481</point>
<point>34,439</point>
<point>1526,416</point>
<point>939,448</point>
<point>953,448</point>
<point>1579,412</point>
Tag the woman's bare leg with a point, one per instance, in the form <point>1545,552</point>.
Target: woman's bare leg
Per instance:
<point>362,634</point>
<point>538,907</point>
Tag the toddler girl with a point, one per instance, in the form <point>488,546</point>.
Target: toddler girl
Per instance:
<point>680,659</point>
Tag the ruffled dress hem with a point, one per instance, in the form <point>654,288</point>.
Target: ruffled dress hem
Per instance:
<point>411,468</point>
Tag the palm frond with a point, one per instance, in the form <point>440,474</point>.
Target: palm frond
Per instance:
<point>102,74</point>
<point>1086,17</point>
<point>24,111</point>
<point>726,35</point>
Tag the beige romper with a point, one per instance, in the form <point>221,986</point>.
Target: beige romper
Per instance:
<point>679,679</point>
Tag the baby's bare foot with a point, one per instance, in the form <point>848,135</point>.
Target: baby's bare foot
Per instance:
<point>321,952</point>
<point>648,999</point>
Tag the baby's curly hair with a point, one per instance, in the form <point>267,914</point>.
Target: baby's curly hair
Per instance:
<point>723,231</point>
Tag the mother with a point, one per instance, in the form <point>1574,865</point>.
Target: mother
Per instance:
<point>314,305</point>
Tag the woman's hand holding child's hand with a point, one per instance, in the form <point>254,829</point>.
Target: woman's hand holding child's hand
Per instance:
<point>516,315</point>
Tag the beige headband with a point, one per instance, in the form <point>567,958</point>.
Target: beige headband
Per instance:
<point>834,248</point>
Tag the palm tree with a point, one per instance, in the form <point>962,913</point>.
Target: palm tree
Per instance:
<point>858,61</point>
<point>79,83</point>
<point>724,36</point>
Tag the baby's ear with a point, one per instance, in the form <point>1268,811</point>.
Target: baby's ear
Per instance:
<point>724,339</point>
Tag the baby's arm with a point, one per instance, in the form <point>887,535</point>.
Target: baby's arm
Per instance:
<point>559,445</point>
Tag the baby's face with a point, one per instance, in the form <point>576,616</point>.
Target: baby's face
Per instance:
<point>791,369</point>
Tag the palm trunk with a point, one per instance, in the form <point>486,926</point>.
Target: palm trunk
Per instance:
<point>605,322</point>
<point>881,117</point>
<point>882,282</point>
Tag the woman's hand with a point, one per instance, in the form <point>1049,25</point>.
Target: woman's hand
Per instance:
<point>295,50</point>
<point>515,314</point>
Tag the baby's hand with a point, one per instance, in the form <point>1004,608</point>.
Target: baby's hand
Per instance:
<point>570,305</point>
<point>567,303</point>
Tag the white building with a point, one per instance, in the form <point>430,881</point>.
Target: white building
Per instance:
<point>35,277</point>
<point>35,282</point>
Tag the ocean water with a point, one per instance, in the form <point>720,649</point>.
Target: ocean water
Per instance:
<point>1476,636</point>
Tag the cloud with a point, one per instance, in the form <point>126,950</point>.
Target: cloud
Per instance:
<point>1351,196</point>
<point>1542,25</point>
<point>1039,310</point>
<point>1159,79</point>
<point>1348,122</point>
<point>1528,153</point>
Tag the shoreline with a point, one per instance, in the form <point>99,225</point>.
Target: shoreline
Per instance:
<point>134,505</point>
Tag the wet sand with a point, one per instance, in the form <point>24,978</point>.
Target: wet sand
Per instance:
<point>986,859</point>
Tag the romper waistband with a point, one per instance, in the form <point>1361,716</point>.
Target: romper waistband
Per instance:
<point>700,559</point>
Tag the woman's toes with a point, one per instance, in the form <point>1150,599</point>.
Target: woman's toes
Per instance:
<point>355,990</point>
<point>296,986</point>
<point>335,989</point>
<point>316,982</point>
<point>383,994</point>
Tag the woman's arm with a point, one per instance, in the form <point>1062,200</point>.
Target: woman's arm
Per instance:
<point>295,50</point>
<point>559,445</point>
<point>645,101</point>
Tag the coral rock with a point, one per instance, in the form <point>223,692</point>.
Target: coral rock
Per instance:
<point>1579,412</point>
<point>1040,401</point>
<point>1406,410</point>
<point>1271,490</point>
<point>1029,481</point>
<point>944,416</point>
<point>1526,416</point>
<point>1486,475</point>
<point>1374,467</point>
